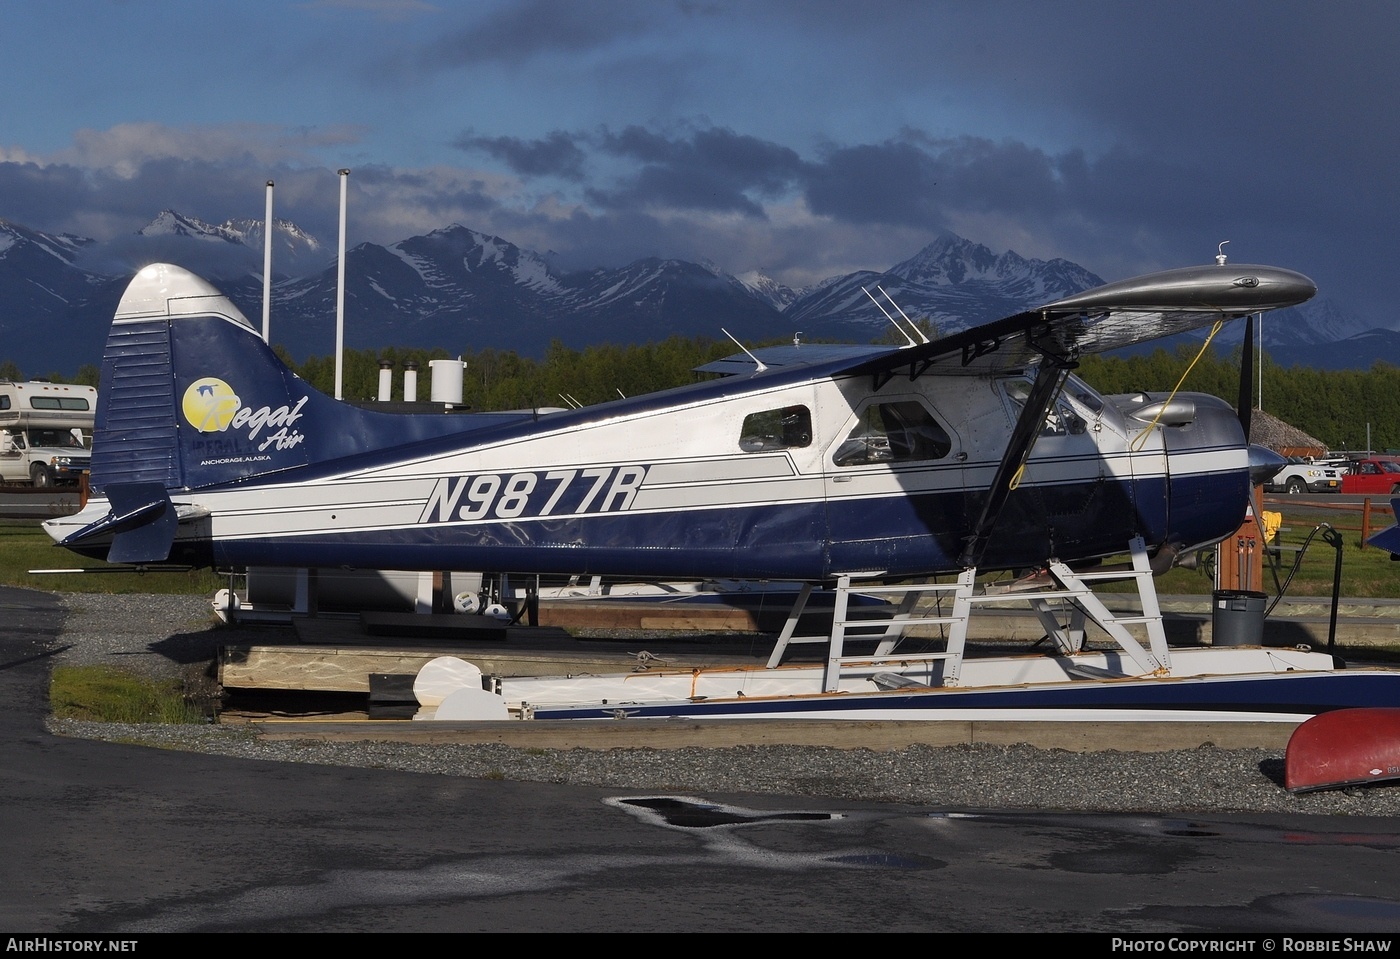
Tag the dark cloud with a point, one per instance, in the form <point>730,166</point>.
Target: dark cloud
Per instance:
<point>746,161</point>
<point>41,197</point>
<point>554,155</point>
<point>888,183</point>
<point>920,182</point>
<point>520,31</point>
<point>386,186</point>
<point>69,199</point>
<point>710,169</point>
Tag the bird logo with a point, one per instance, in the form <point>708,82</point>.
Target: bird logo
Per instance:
<point>209,405</point>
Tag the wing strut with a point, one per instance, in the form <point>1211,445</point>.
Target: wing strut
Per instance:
<point>1049,379</point>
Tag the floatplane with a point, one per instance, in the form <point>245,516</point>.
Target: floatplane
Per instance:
<point>876,469</point>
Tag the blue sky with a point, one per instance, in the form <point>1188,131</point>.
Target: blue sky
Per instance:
<point>804,139</point>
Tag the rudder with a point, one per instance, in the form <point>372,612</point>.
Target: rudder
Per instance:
<point>190,395</point>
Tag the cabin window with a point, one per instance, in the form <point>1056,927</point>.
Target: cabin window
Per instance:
<point>1085,394</point>
<point>782,429</point>
<point>54,438</point>
<point>896,432</point>
<point>58,403</point>
<point>4,402</point>
<point>1060,419</point>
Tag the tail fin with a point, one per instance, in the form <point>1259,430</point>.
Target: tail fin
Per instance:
<point>190,395</point>
<point>192,398</point>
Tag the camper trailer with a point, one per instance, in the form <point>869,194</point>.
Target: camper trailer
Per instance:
<point>45,429</point>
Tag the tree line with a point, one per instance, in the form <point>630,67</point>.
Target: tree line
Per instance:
<point>504,380</point>
<point>1334,406</point>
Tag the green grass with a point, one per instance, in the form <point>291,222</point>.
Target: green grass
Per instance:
<point>1367,573</point>
<point>104,694</point>
<point>24,546</point>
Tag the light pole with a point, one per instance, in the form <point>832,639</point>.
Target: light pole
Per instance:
<point>267,265</point>
<point>340,294</point>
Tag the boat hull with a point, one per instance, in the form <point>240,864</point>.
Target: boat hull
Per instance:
<point>1345,747</point>
<point>1243,696</point>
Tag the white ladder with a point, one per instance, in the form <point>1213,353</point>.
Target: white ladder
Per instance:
<point>1071,592</point>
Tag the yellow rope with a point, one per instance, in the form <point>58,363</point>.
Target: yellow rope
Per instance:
<point>1142,437</point>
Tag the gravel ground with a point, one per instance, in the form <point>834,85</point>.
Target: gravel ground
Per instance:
<point>165,636</point>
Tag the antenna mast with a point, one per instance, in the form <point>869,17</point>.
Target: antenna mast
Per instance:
<point>893,322</point>
<point>756,361</point>
<point>912,325</point>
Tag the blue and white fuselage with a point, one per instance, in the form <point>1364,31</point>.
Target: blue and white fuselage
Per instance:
<point>978,451</point>
<point>835,462</point>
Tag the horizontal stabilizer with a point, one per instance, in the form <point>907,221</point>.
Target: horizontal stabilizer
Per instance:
<point>142,523</point>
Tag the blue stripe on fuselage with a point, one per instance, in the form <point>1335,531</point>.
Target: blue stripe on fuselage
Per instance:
<point>896,534</point>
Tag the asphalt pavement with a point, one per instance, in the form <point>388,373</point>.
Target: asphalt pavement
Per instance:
<point>105,838</point>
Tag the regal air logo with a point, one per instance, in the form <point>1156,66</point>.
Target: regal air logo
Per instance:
<point>211,406</point>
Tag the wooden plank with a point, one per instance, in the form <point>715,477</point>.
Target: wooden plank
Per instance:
<point>347,669</point>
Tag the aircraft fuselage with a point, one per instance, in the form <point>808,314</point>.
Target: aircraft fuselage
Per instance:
<point>797,473</point>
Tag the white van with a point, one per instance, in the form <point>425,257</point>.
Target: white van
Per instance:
<point>45,432</point>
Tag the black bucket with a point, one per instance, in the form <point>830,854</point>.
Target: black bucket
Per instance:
<point>1237,617</point>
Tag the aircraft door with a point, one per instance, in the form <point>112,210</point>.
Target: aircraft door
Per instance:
<point>780,471</point>
<point>893,469</point>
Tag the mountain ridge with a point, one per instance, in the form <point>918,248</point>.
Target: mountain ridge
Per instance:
<point>455,287</point>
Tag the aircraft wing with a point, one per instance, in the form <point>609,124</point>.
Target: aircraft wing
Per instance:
<point>809,354</point>
<point>1105,318</point>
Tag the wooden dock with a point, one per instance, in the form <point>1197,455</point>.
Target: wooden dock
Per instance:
<point>339,654</point>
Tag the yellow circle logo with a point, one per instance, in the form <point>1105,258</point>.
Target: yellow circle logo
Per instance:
<point>209,405</point>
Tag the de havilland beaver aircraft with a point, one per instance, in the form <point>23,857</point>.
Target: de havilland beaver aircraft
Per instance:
<point>978,451</point>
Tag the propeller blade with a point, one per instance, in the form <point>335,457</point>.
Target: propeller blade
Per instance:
<point>1245,407</point>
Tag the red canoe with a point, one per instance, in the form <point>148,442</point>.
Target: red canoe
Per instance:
<point>1345,747</point>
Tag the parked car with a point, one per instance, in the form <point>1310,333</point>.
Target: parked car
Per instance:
<point>1373,477</point>
<point>41,429</point>
<point>1300,476</point>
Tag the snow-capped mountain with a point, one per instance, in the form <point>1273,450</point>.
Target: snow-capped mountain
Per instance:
<point>777,295</point>
<point>952,282</point>
<point>289,237</point>
<point>170,223</point>
<point>661,297</point>
<point>226,251</point>
<point>460,289</point>
<point>45,297</point>
<point>63,247</point>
